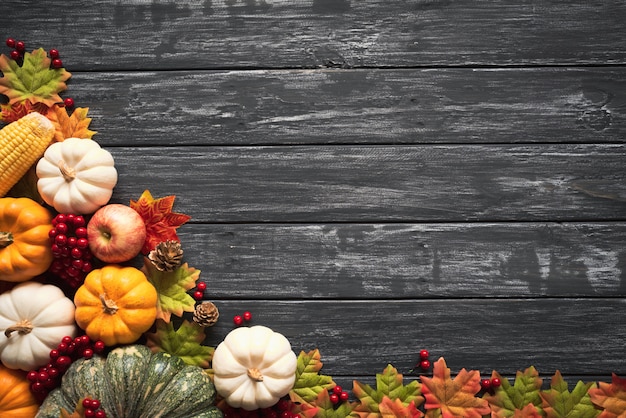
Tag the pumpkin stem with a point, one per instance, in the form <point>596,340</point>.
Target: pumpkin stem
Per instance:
<point>108,305</point>
<point>255,374</point>
<point>6,239</point>
<point>23,327</point>
<point>68,172</point>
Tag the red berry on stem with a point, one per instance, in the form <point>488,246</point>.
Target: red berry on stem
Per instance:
<point>15,55</point>
<point>32,376</point>
<point>238,320</point>
<point>344,396</point>
<point>20,46</point>
<point>11,42</point>
<point>98,346</point>
<point>485,384</point>
<point>69,102</point>
<point>247,316</point>
<point>334,398</point>
<point>337,389</point>
<point>101,414</point>
<point>198,295</point>
<point>495,382</point>
<point>57,63</point>
<point>54,53</point>
<point>201,286</point>
<point>425,364</point>
<point>424,354</point>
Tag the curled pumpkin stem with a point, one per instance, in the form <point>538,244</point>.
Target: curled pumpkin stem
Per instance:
<point>108,306</point>
<point>255,374</point>
<point>6,239</point>
<point>68,172</point>
<point>22,327</point>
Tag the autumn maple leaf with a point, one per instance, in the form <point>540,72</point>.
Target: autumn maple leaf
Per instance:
<point>507,400</point>
<point>12,112</point>
<point>66,126</point>
<point>450,398</point>
<point>184,342</point>
<point>559,402</point>
<point>161,222</point>
<point>309,382</point>
<point>611,397</point>
<point>34,80</point>
<point>396,409</point>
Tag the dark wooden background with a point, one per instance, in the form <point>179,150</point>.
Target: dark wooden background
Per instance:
<point>374,177</point>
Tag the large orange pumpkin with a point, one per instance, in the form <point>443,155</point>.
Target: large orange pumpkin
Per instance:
<point>115,304</point>
<point>24,243</point>
<point>16,399</point>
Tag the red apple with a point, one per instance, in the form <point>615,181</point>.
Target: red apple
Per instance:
<point>116,233</point>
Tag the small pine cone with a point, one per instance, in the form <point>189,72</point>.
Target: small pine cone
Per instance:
<point>206,314</point>
<point>166,256</point>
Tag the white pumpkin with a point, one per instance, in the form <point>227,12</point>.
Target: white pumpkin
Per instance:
<point>34,317</point>
<point>76,176</point>
<point>254,367</point>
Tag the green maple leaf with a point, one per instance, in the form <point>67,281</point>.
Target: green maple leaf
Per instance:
<point>184,342</point>
<point>389,384</point>
<point>559,402</point>
<point>508,399</point>
<point>309,383</point>
<point>172,287</point>
<point>327,409</point>
<point>34,80</point>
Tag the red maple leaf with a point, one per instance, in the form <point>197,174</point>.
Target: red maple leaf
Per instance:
<point>12,112</point>
<point>161,222</point>
<point>611,397</point>
<point>456,397</point>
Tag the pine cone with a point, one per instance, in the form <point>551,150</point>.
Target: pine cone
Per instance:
<point>166,256</point>
<point>206,314</point>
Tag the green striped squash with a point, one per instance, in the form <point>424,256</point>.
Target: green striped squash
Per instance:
<point>133,382</point>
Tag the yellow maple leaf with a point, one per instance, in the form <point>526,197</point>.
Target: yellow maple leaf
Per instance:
<point>74,126</point>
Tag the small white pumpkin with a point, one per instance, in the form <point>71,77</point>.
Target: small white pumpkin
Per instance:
<point>34,317</point>
<point>254,367</point>
<point>76,176</point>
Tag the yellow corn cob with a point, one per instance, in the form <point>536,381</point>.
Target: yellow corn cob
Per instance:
<point>22,143</point>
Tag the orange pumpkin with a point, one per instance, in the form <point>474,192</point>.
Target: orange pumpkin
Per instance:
<point>16,398</point>
<point>115,304</point>
<point>24,243</point>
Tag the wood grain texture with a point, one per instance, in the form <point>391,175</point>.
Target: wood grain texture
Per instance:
<point>502,334</point>
<point>381,183</point>
<point>193,34</point>
<point>538,105</point>
<point>420,261</point>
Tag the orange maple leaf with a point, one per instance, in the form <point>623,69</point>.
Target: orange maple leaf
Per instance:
<point>528,411</point>
<point>611,397</point>
<point>66,126</point>
<point>396,409</point>
<point>456,397</point>
<point>161,222</point>
<point>12,112</point>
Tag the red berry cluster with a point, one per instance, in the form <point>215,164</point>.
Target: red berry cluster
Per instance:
<point>198,294</point>
<point>490,384</point>
<point>238,320</point>
<point>337,394</point>
<point>70,249</point>
<point>19,47</point>
<point>283,409</point>
<point>92,409</point>
<point>424,363</point>
<point>69,350</point>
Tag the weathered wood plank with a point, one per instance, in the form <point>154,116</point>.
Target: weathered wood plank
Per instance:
<point>381,183</point>
<point>482,334</point>
<point>310,33</point>
<point>377,261</point>
<point>361,106</point>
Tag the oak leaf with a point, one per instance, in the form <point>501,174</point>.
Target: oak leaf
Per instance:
<point>559,402</point>
<point>507,399</point>
<point>309,383</point>
<point>389,384</point>
<point>34,80</point>
<point>184,342</point>
<point>611,397</point>
<point>172,287</point>
<point>161,222</point>
<point>74,126</point>
<point>456,397</point>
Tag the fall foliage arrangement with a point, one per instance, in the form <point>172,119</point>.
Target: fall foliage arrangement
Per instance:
<point>85,333</point>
